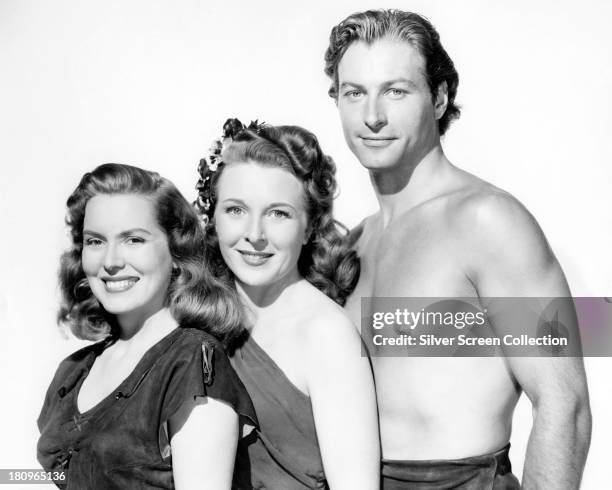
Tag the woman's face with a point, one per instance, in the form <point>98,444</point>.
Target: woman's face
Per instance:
<point>125,257</point>
<point>261,222</point>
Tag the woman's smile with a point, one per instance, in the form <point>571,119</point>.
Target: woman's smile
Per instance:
<point>119,284</point>
<point>254,258</point>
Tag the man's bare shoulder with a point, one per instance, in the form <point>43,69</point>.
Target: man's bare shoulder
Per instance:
<point>490,215</point>
<point>471,203</point>
<point>468,232</point>
<point>461,198</point>
<point>356,233</point>
<point>502,245</point>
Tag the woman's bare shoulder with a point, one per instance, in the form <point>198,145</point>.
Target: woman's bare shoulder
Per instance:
<point>321,321</point>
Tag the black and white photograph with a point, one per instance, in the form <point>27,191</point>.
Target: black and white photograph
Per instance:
<point>305,245</point>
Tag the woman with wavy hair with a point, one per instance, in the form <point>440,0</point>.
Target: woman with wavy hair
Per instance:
<point>266,200</point>
<point>155,403</point>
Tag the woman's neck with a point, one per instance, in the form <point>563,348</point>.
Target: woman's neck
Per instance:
<point>262,301</point>
<point>149,331</point>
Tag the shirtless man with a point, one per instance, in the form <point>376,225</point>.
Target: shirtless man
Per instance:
<point>442,232</point>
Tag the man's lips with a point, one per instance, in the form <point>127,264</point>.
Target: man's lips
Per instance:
<point>377,141</point>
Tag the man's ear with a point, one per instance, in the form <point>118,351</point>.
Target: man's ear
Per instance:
<point>336,99</point>
<point>441,101</point>
<point>334,90</point>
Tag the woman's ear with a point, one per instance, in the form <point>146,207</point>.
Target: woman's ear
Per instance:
<point>307,234</point>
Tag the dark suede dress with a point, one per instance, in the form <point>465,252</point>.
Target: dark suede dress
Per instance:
<point>122,441</point>
<point>283,454</point>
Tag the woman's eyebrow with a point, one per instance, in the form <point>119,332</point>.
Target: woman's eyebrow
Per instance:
<point>93,233</point>
<point>233,199</point>
<point>280,204</point>
<point>131,231</point>
<point>125,233</point>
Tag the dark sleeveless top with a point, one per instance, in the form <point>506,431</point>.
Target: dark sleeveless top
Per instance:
<point>284,452</point>
<point>122,442</point>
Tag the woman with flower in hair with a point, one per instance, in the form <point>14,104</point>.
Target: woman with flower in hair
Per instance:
<point>155,403</point>
<point>266,200</point>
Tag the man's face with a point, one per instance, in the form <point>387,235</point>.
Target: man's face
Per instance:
<point>385,104</point>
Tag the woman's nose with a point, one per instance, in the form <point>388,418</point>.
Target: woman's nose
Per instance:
<point>255,233</point>
<point>113,260</point>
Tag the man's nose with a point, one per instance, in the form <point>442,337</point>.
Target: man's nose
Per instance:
<point>113,260</point>
<point>375,117</point>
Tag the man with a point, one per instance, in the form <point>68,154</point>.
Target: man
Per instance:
<point>442,232</point>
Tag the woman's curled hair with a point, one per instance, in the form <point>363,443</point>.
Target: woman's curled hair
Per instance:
<point>326,260</point>
<point>195,296</point>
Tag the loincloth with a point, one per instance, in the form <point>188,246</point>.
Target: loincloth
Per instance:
<point>488,471</point>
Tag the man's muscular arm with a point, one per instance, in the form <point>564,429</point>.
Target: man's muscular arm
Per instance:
<point>511,258</point>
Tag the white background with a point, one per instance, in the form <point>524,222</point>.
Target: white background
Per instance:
<point>151,82</point>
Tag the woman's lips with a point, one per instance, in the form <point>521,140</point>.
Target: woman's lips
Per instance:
<point>254,258</point>
<point>119,285</point>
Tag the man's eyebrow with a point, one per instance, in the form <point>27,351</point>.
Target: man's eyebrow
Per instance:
<point>407,81</point>
<point>351,84</point>
<point>387,83</point>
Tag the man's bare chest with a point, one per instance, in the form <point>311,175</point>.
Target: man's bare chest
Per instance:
<point>419,258</point>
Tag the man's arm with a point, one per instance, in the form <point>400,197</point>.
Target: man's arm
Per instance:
<point>513,259</point>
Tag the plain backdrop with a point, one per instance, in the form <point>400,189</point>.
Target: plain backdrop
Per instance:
<point>151,82</point>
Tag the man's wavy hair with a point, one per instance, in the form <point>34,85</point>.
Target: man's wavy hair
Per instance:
<point>326,260</point>
<point>373,25</point>
<point>196,298</point>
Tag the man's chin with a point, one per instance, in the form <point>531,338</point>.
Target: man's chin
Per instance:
<point>377,165</point>
<point>376,160</point>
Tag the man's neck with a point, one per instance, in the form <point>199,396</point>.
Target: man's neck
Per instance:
<point>405,187</point>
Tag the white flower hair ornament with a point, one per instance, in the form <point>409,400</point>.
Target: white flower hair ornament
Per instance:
<point>206,169</point>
